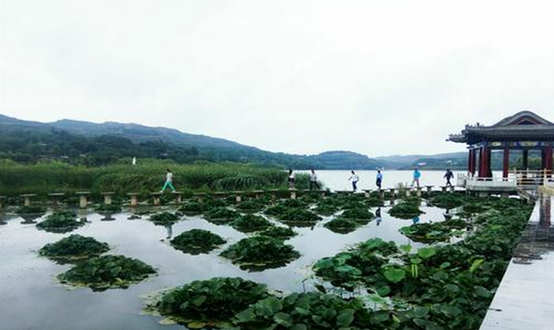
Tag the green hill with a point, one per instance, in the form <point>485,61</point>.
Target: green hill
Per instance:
<point>88,143</point>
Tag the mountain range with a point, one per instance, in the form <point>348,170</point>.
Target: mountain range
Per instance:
<point>96,144</point>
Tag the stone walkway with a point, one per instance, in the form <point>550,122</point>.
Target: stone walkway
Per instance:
<point>525,297</point>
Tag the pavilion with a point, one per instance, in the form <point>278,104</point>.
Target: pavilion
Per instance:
<point>523,132</point>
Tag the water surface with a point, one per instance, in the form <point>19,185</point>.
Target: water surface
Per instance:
<point>32,298</point>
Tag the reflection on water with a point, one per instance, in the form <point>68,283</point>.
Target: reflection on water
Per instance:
<point>28,282</point>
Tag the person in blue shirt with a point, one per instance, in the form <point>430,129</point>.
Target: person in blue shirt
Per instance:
<point>417,175</point>
<point>379,180</point>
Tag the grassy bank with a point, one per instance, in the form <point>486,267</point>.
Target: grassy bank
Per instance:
<point>147,176</point>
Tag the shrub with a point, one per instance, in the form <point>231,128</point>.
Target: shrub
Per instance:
<point>74,247</point>
<point>197,241</point>
<point>111,271</point>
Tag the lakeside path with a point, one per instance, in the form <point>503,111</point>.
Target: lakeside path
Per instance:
<point>525,298</point>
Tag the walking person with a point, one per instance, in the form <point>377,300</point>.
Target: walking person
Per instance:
<point>168,181</point>
<point>379,179</point>
<point>290,179</point>
<point>354,178</point>
<point>448,176</point>
<point>313,180</point>
<point>417,175</point>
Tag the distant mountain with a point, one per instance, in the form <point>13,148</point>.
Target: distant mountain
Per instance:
<point>93,144</point>
<point>346,160</point>
<point>409,159</point>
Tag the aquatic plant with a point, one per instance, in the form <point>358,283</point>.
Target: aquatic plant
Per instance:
<point>210,303</point>
<point>326,209</point>
<point>278,232</point>
<point>121,178</point>
<point>374,202</point>
<point>449,286</point>
<point>352,204</point>
<point>342,225</point>
<point>357,214</point>
<point>405,210</point>
<point>108,208</point>
<point>194,208</point>
<point>60,222</point>
<point>164,218</point>
<point>74,247</point>
<point>434,232</point>
<point>294,203</point>
<point>361,264</point>
<point>197,241</point>
<point>299,216</point>
<point>449,200</point>
<point>312,310</point>
<point>249,223</point>
<point>31,209</point>
<point>105,272</point>
<point>221,215</point>
<point>250,206</point>
<point>260,252</point>
<point>276,210</point>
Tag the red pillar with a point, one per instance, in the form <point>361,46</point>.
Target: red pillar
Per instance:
<point>480,169</point>
<point>469,161</point>
<point>472,160</point>
<point>484,162</point>
<point>548,159</point>
<point>525,159</point>
<point>489,159</point>
<point>506,162</point>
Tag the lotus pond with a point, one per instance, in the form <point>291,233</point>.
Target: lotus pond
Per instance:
<point>301,264</point>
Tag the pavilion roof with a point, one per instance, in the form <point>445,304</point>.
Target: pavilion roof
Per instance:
<point>523,126</point>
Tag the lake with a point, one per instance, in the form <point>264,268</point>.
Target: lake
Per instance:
<point>32,298</point>
<point>338,180</point>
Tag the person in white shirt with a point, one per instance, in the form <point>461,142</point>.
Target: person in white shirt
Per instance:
<point>168,181</point>
<point>291,179</point>
<point>354,178</point>
<point>313,180</point>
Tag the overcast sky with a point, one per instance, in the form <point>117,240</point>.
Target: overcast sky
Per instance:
<point>375,77</point>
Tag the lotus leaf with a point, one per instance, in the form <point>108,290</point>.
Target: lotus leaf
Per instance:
<point>105,272</point>
<point>197,241</point>
<point>211,302</point>
<point>60,222</point>
<point>74,247</point>
<point>260,252</point>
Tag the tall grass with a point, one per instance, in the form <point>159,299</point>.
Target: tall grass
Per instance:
<point>147,176</point>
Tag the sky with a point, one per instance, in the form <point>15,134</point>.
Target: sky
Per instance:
<point>375,77</point>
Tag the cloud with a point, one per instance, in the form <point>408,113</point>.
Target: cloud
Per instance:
<point>295,76</point>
